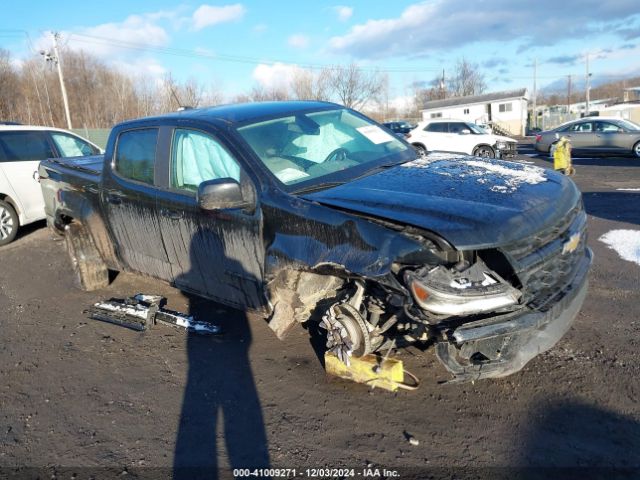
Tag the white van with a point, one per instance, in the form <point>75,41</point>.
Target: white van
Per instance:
<point>21,150</point>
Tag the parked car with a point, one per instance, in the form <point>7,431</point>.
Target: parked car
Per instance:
<point>447,135</point>
<point>22,148</point>
<point>400,128</point>
<point>303,211</point>
<point>595,136</point>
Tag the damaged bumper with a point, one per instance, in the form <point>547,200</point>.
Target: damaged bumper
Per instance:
<point>497,348</point>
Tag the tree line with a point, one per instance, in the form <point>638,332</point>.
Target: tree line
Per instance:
<point>101,95</point>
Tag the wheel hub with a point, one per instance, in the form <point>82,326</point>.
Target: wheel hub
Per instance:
<point>6,223</point>
<point>347,333</point>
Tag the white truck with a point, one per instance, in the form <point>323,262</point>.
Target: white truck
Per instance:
<point>22,148</point>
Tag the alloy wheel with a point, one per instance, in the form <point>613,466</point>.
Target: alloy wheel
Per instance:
<point>6,223</point>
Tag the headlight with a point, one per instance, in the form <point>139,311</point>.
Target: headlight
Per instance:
<point>501,145</point>
<point>476,289</point>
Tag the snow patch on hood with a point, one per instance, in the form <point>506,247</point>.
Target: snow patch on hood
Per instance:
<point>626,243</point>
<point>501,177</point>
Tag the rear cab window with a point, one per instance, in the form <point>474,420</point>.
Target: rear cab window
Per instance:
<point>25,146</point>
<point>136,154</point>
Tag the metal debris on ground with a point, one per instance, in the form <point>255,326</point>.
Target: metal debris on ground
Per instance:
<point>141,312</point>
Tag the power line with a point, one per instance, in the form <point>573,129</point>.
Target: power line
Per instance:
<point>179,52</point>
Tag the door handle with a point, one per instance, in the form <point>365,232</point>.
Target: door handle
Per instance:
<point>172,214</point>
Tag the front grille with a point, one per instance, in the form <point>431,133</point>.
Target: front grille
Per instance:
<point>510,151</point>
<point>542,268</point>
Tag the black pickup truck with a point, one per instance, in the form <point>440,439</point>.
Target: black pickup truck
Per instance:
<point>308,211</point>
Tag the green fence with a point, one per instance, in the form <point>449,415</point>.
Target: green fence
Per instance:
<point>99,136</point>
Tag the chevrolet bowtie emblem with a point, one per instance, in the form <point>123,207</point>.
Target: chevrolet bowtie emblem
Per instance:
<point>571,244</point>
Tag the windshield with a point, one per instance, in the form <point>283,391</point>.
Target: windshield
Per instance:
<point>317,147</point>
<point>477,129</point>
<point>629,125</point>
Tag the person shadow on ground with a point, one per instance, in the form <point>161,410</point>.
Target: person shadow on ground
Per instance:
<point>220,393</point>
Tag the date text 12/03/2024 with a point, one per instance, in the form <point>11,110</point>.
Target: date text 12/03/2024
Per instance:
<point>315,473</point>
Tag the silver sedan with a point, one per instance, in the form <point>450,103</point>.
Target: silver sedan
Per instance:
<point>594,136</point>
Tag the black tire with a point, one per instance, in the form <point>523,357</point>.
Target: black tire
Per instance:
<point>636,150</point>
<point>90,271</point>
<point>9,223</point>
<point>484,151</point>
<point>421,149</point>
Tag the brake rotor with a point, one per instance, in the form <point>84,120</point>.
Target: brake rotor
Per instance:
<point>347,333</point>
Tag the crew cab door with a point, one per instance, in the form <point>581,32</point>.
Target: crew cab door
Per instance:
<point>128,197</point>
<point>216,253</point>
<point>20,154</point>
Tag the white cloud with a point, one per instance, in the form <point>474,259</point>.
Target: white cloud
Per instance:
<point>111,42</point>
<point>298,41</point>
<point>208,15</point>
<point>344,13</point>
<point>436,25</point>
<point>276,76</point>
<point>108,39</point>
<point>143,66</point>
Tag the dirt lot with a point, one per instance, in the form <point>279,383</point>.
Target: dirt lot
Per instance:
<point>85,395</point>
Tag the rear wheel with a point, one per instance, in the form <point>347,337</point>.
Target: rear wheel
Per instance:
<point>90,271</point>
<point>484,151</point>
<point>8,223</point>
<point>636,150</point>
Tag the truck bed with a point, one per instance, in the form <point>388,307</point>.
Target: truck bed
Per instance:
<point>69,185</point>
<point>90,164</point>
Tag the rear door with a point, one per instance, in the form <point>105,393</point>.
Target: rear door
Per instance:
<point>129,196</point>
<point>436,134</point>
<point>581,135</point>
<point>20,153</point>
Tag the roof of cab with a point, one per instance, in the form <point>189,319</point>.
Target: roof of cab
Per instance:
<point>242,112</point>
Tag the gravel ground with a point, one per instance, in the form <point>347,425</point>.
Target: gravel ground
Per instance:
<point>87,398</point>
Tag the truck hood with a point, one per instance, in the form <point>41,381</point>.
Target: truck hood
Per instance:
<point>470,202</point>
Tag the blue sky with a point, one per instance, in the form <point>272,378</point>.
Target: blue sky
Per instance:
<point>234,45</point>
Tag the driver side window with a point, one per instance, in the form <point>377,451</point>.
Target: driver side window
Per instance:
<point>197,157</point>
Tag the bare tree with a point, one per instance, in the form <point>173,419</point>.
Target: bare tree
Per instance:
<point>354,87</point>
<point>260,93</point>
<point>9,87</point>
<point>467,79</point>
<point>311,85</point>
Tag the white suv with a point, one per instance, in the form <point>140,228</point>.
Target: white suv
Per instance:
<point>21,150</point>
<point>448,135</point>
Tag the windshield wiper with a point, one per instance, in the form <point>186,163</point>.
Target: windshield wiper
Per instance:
<point>318,186</point>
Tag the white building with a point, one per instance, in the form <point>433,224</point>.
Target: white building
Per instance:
<point>507,110</point>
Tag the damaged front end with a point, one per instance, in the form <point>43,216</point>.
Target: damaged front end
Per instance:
<point>487,312</point>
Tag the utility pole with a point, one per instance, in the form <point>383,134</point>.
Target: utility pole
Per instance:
<point>569,94</point>
<point>588,88</point>
<point>535,93</point>
<point>56,59</point>
<point>442,86</point>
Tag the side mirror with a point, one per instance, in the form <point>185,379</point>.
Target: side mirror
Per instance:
<point>220,194</point>
<point>465,131</point>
